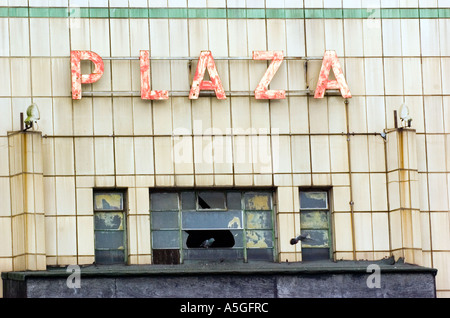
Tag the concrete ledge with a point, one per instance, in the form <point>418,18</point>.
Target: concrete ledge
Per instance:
<point>227,280</point>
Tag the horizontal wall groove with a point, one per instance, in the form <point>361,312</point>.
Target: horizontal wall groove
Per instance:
<point>224,13</point>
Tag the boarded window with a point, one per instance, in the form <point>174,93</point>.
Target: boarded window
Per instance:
<point>315,225</point>
<point>109,228</point>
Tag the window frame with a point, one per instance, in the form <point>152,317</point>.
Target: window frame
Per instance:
<point>327,191</point>
<point>243,216</point>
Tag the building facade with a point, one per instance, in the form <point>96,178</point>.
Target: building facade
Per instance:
<point>165,124</point>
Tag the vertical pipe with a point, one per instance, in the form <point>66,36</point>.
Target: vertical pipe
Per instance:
<point>351,203</point>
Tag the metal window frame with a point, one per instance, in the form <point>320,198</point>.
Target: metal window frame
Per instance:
<point>181,248</point>
<point>327,209</point>
<point>123,211</point>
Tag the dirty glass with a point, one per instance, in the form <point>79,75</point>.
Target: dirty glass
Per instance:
<point>241,223</point>
<point>109,240</point>
<point>164,201</point>
<point>188,201</point>
<point>314,219</point>
<point>258,219</point>
<point>260,254</point>
<point>108,201</point>
<point>317,238</point>
<point>109,228</point>
<point>218,220</point>
<point>108,220</point>
<point>164,220</point>
<point>313,200</point>
<point>217,254</point>
<point>211,200</point>
<point>257,201</point>
<point>166,256</point>
<point>109,256</point>
<point>234,200</point>
<point>166,239</point>
<point>259,238</point>
<point>314,254</point>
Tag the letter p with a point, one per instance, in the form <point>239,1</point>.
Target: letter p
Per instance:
<point>77,78</point>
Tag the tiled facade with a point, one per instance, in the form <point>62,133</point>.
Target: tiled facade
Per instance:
<point>388,196</point>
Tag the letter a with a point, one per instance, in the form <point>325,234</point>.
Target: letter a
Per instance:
<point>330,60</point>
<point>77,78</point>
<point>146,92</point>
<point>206,61</point>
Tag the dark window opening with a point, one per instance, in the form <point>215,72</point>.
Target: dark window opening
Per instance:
<point>209,239</point>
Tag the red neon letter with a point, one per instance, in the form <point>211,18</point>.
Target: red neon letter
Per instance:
<point>330,60</point>
<point>206,60</point>
<point>261,91</point>
<point>146,92</point>
<point>77,78</point>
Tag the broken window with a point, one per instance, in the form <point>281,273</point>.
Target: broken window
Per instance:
<point>109,228</point>
<point>315,225</point>
<point>211,200</point>
<point>212,225</point>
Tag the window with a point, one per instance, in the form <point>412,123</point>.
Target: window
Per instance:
<point>315,225</point>
<point>211,225</point>
<point>109,228</point>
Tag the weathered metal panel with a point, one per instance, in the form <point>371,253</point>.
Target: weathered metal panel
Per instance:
<point>261,91</point>
<point>77,77</point>
<point>206,61</point>
<point>330,60</point>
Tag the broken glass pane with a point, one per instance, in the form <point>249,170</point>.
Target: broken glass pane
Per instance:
<point>164,201</point>
<point>188,201</point>
<point>259,238</point>
<point>234,200</point>
<point>211,200</point>
<point>314,219</point>
<point>108,220</point>
<point>313,200</point>
<point>258,219</point>
<point>109,239</point>
<point>317,238</point>
<point>165,239</point>
<point>164,220</point>
<point>108,201</point>
<point>257,201</point>
<point>212,220</point>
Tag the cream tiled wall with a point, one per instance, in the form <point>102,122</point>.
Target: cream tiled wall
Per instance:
<point>122,141</point>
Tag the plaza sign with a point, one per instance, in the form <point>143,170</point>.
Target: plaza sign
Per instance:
<point>206,62</point>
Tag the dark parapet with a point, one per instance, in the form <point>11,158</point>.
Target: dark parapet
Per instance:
<point>322,279</point>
